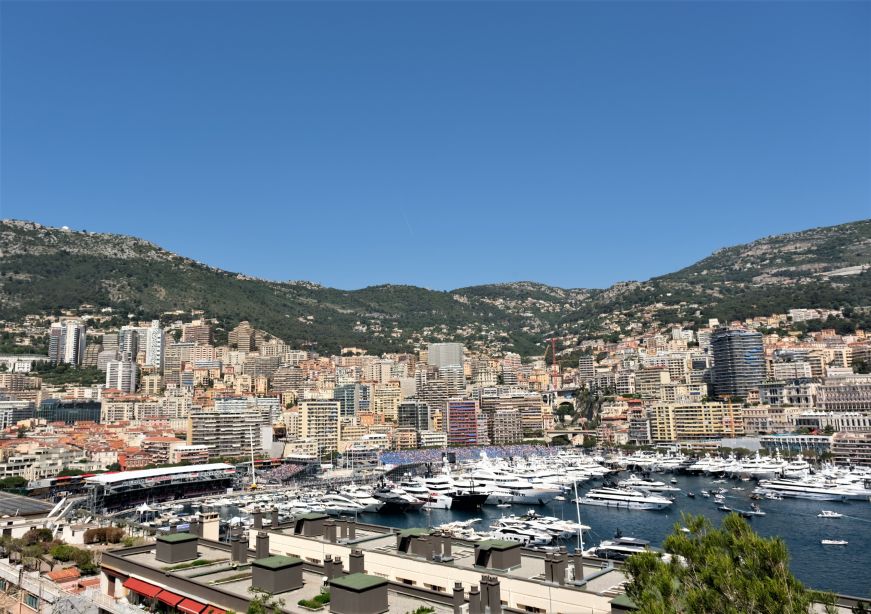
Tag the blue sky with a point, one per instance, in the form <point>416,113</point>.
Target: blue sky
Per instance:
<point>441,144</point>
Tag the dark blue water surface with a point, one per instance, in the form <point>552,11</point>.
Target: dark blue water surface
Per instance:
<point>842,569</point>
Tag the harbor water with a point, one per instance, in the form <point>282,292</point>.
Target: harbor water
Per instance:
<point>842,569</point>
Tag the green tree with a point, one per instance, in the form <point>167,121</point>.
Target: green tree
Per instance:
<point>730,570</point>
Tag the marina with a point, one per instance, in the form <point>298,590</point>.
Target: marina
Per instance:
<point>520,501</point>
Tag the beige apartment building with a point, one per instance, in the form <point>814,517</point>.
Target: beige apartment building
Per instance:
<point>695,421</point>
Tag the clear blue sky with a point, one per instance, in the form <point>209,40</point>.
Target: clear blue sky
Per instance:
<point>437,143</point>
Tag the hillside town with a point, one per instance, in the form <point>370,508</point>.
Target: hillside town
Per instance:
<point>165,392</point>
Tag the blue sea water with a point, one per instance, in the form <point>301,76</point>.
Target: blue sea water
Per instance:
<point>842,569</point>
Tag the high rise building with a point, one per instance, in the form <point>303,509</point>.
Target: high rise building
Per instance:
<point>242,337</point>
<point>385,400</point>
<point>67,342</point>
<point>461,424</point>
<point>230,432</point>
<point>454,379</point>
<point>128,342</point>
<point>414,414</point>
<point>739,362</point>
<point>319,420</point>
<point>155,345</point>
<point>110,342</point>
<point>121,375</point>
<point>176,355</point>
<point>198,332</point>
<point>586,368</point>
<point>511,365</point>
<point>352,398</point>
<point>445,354</point>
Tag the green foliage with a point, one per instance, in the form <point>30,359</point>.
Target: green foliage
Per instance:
<point>12,482</point>
<point>730,570</point>
<point>103,535</point>
<point>37,536</point>
<point>263,603</point>
<point>49,270</point>
<point>194,563</point>
<point>318,601</point>
<point>63,552</point>
<point>38,345</point>
<point>63,374</point>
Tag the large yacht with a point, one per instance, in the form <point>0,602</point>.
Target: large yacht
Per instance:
<point>508,488</point>
<point>619,549</point>
<point>810,489</point>
<point>759,467</point>
<point>397,501</point>
<point>636,483</point>
<point>623,498</point>
<point>461,499</point>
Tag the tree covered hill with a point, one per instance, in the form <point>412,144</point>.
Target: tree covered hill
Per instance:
<point>44,270</point>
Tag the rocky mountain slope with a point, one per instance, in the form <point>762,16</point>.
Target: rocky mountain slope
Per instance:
<point>45,269</point>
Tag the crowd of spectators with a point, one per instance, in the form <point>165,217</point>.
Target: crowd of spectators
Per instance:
<point>280,475</point>
<point>412,457</point>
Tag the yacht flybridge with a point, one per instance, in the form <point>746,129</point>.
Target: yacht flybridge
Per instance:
<point>636,483</point>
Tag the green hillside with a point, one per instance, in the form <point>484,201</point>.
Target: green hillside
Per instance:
<point>45,270</point>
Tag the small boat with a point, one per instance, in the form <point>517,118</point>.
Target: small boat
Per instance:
<point>829,514</point>
<point>559,498</point>
<point>834,542</point>
<point>503,505</point>
<point>691,495</point>
<point>674,480</point>
<point>724,508</point>
<point>705,494</point>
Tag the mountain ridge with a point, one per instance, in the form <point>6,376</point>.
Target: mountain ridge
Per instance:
<point>46,269</point>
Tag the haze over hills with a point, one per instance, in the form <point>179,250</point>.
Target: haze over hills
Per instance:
<point>44,269</point>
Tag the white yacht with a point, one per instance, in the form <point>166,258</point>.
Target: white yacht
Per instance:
<point>809,489</point>
<point>620,548</point>
<point>508,488</point>
<point>431,499</point>
<point>527,537</point>
<point>364,497</point>
<point>759,467</point>
<point>829,514</point>
<point>636,483</point>
<point>798,468</point>
<point>623,498</point>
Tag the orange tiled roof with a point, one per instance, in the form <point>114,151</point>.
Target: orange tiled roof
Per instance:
<point>66,574</point>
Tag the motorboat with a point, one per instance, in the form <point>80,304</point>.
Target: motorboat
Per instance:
<point>527,537</point>
<point>397,501</point>
<point>829,514</point>
<point>619,548</point>
<point>834,542</point>
<point>624,498</point>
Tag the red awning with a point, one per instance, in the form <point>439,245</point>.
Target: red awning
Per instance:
<point>169,598</point>
<point>143,588</point>
<point>213,610</point>
<point>190,606</point>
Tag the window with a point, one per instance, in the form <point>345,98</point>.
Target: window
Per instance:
<point>406,581</point>
<point>32,601</point>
